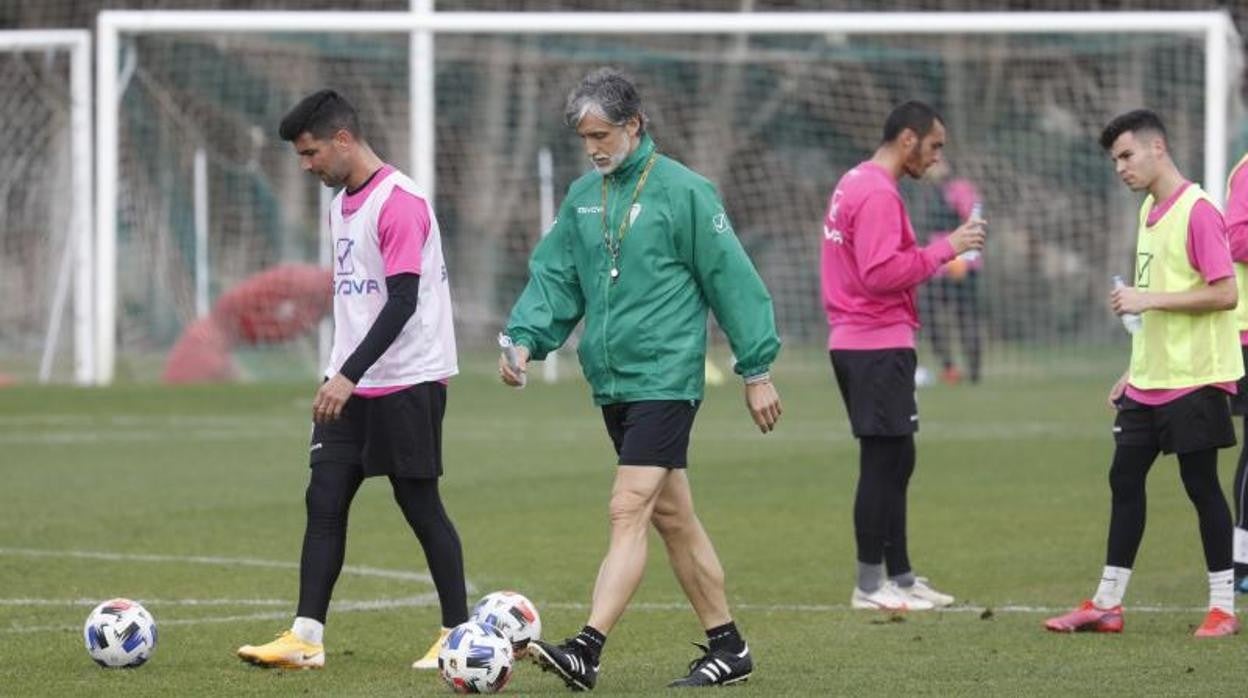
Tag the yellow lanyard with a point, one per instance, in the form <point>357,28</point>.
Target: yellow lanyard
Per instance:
<point>613,244</point>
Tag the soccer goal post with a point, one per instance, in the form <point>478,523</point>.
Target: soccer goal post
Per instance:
<point>773,107</point>
<point>45,205</point>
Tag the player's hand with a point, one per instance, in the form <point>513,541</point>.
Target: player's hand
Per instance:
<point>1116,392</point>
<point>763,402</point>
<point>968,236</point>
<point>331,397</point>
<point>1128,300</point>
<point>514,376</point>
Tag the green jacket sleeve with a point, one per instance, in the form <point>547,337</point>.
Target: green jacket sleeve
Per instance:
<point>731,284</point>
<point>551,303</point>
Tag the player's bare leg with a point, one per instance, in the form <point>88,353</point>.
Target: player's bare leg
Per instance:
<point>725,658</point>
<point>633,499</point>
<point>690,551</point>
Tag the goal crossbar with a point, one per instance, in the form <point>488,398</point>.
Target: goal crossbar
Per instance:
<point>668,22</point>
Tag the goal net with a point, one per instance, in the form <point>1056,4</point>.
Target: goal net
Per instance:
<point>45,199</point>
<point>773,117</point>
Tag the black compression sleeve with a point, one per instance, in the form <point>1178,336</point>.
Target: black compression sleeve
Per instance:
<point>402,291</point>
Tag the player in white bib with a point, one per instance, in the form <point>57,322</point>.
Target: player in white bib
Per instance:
<point>380,409</point>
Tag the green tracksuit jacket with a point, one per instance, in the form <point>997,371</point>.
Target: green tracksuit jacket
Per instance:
<point>645,332</point>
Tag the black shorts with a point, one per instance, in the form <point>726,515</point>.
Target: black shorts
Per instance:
<point>1195,422</point>
<point>398,434</point>
<point>651,432</point>
<point>877,386</point>
<point>1239,401</point>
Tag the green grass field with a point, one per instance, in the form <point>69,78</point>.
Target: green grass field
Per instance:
<point>190,500</point>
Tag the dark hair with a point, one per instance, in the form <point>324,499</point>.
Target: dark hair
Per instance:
<point>322,113</point>
<point>1134,121</point>
<point>607,93</point>
<point>913,115</point>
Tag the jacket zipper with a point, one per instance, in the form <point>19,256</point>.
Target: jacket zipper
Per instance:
<point>606,298</point>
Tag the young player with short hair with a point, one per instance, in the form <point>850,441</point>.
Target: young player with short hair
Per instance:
<point>1185,359</point>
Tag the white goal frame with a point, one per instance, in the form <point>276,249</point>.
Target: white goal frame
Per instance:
<point>423,23</point>
<point>76,266</point>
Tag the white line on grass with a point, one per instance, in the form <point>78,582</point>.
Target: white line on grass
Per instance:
<point>153,602</point>
<point>419,601</point>
<point>68,429</point>
<point>113,436</point>
<point>144,420</point>
<point>361,571</point>
<point>429,600</point>
<point>837,608</point>
<point>980,432</point>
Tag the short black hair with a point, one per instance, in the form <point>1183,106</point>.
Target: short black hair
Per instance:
<point>1134,121</point>
<point>914,115</point>
<point>322,114</point>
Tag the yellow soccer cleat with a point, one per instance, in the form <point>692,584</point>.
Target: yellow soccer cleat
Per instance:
<point>430,660</point>
<point>288,651</point>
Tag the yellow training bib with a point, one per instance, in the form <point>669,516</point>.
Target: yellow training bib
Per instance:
<point>1174,349</point>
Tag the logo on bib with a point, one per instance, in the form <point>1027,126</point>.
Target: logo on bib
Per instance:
<point>343,264</point>
<point>356,287</point>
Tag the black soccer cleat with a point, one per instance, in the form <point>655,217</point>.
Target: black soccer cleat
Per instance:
<point>718,668</point>
<point>568,661</point>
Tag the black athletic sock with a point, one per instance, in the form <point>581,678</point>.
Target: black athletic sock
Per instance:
<point>591,643</point>
<point>422,507</point>
<point>331,488</point>
<point>1200,479</point>
<point>725,637</point>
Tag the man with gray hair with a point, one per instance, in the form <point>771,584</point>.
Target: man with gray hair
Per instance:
<point>640,250</point>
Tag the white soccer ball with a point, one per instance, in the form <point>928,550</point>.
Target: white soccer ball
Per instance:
<point>120,633</point>
<point>475,658</point>
<point>513,614</point>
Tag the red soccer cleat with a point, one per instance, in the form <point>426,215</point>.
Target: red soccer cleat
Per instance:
<point>1218,623</point>
<point>1087,618</point>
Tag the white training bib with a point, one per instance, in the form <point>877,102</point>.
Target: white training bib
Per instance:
<point>425,349</point>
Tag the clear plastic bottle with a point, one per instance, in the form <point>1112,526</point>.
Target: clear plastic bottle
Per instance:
<point>1132,321</point>
<point>977,211</point>
<point>513,359</point>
